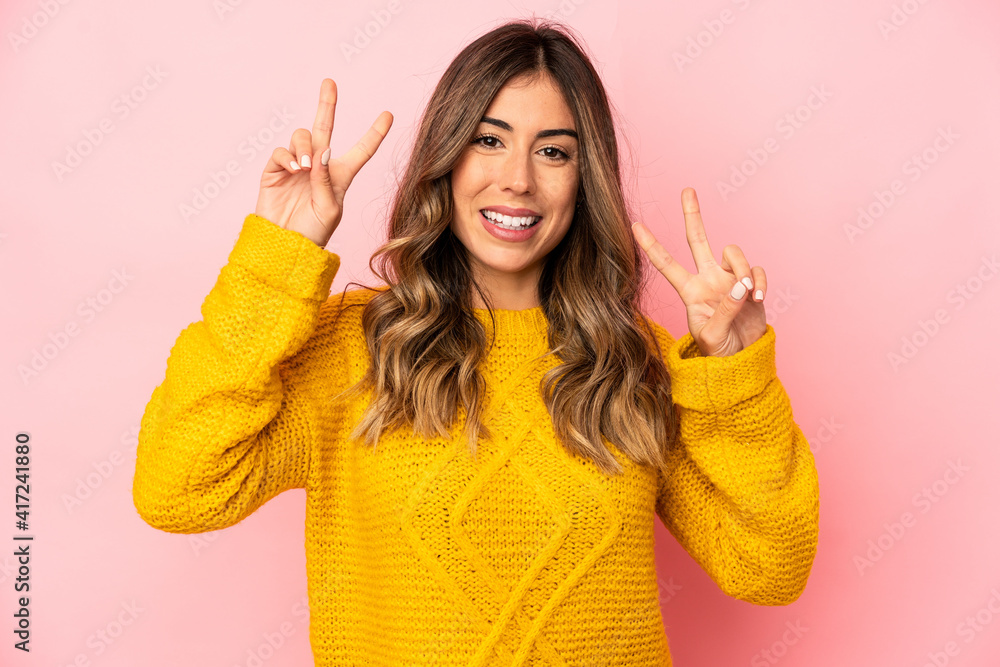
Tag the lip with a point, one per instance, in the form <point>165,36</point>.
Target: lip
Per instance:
<point>509,234</point>
<point>516,212</point>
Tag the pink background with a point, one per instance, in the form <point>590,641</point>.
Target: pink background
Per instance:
<point>842,301</point>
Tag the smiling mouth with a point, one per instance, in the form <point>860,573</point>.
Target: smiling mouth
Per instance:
<point>513,223</point>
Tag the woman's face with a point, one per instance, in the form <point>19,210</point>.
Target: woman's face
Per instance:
<point>523,160</point>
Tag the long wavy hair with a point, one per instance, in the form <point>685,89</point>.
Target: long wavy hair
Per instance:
<point>424,339</point>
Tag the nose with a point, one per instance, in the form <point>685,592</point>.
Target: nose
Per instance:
<point>517,173</point>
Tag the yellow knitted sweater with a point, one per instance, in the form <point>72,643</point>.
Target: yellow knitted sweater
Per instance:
<point>418,554</point>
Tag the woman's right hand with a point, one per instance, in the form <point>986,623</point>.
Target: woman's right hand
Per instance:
<point>300,193</point>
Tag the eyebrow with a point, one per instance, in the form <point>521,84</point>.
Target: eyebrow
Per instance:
<point>542,134</point>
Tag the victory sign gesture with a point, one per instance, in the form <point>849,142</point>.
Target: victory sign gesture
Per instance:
<point>301,188</point>
<point>721,317</point>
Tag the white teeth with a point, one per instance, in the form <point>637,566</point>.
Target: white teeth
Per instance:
<point>509,222</point>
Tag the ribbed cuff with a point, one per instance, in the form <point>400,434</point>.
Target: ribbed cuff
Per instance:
<point>284,259</point>
<point>713,384</point>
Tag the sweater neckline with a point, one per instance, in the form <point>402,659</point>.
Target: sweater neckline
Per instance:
<point>527,321</point>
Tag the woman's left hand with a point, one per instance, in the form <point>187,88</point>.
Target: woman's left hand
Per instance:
<point>724,316</point>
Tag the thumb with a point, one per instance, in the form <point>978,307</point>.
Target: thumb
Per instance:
<point>319,182</point>
<point>730,306</point>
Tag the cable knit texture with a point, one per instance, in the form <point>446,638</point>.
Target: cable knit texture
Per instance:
<point>419,554</point>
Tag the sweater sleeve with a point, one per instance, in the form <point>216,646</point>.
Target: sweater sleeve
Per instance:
<point>740,490</point>
<point>228,428</point>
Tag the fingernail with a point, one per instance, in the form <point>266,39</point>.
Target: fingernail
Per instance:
<point>746,281</point>
<point>295,165</point>
<point>325,157</point>
<point>759,295</point>
<point>739,291</point>
<point>306,162</point>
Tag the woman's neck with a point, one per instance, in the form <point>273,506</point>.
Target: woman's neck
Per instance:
<point>508,292</point>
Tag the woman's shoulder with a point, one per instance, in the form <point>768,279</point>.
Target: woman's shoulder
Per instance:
<point>341,313</point>
<point>338,334</point>
<point>660,334</point>
<point>358,296</point>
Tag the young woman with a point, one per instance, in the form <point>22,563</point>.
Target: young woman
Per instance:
<point>484,440</point>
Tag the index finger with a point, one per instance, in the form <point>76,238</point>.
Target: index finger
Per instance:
<point>662,260</point>
<point>696,237</point>
<point>323,125</point>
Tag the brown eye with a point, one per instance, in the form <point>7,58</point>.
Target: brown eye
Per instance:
<point>486,137</point>
<point>559,154</point>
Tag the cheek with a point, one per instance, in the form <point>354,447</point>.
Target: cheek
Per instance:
<point>468,177</point>
<point>563,191</point>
